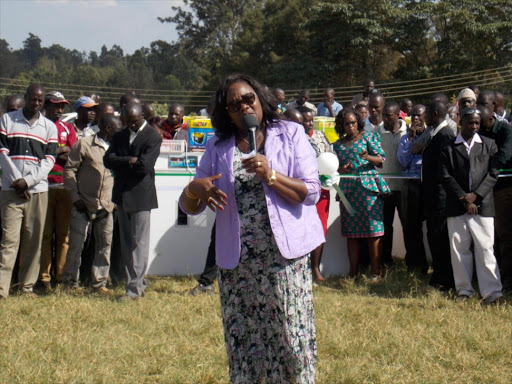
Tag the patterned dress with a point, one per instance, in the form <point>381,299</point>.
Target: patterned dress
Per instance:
<point>364,194</point>
<point>267,300</point>
<point>319,142</point>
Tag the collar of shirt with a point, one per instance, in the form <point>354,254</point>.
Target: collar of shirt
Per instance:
<point>439,127</point>
<point>133,135</point>
<point>369,127</point>
<point>401,131</point>
<point>498,117</point>
<point>41,120</point>
<point>102,143</point>
<point>475,139</point>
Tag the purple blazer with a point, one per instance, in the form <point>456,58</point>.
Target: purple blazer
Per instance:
<point>296,227</point>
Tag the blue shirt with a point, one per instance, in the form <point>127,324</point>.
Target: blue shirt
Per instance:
<point>324,111</point>
<point>410,162</point>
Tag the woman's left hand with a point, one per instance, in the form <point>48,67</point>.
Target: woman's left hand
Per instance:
<point>259,165</point>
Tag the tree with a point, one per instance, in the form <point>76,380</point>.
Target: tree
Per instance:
<point>32,49</point>
<point>208,31</point>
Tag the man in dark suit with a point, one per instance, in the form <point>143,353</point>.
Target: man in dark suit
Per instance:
<point>469,173</point>
<point>132,156</point>
<point>434,195</point>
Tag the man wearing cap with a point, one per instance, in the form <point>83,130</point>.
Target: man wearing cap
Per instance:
<point>90,185</point>
<point>28,144</point>
<point>58,214</point>
<point>85,114</point>
<point>466,99</point>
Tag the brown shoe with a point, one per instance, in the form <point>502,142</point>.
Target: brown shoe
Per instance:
<point>74,289</point>
<point>30,295</point>
<point>104,291</point>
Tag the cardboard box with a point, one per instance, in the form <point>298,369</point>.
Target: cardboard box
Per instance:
<point>200,122</point>
<point>198,137</point>
<point>326,125</point>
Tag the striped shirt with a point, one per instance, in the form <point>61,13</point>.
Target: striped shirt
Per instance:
<point>27,151</point>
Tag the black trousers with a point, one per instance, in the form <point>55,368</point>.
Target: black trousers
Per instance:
<point>439,243</point>
<point>412,222</point>
<point>210,269</point>
<point>391,202</point>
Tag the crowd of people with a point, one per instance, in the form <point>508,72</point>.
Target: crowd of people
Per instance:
<point>64,183</point>
<point>440,168</point>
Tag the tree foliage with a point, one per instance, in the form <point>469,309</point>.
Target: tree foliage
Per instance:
<point>288,43</point>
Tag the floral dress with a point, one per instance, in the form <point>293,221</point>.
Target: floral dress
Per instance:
<point>267,300</point>
<point>364,193</point>
<point>319,142</point>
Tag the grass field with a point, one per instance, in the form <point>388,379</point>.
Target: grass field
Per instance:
<point>395,331</point>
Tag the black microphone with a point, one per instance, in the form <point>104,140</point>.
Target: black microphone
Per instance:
<point>250,124</point>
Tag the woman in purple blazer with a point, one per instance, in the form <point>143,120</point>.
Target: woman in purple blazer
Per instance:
<point>267,225</point>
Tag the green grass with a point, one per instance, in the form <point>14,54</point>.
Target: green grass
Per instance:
<point>395,331</point>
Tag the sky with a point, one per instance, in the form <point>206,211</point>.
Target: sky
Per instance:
<point>86,25</point>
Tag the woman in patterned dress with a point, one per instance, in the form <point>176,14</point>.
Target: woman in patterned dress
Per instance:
<point>266,225</point>
<point>320,144</point>
<point>359,152</point>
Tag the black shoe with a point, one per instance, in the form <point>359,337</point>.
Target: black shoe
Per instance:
<point>493,300</point>
<point>201,289</point>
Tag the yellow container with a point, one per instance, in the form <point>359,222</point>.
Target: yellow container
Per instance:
<point>326,125</point>
<point>201,122</point>
<point>187,119</point>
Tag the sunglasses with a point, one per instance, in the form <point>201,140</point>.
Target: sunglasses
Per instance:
<point>236,105</point>
<point>466,112</point>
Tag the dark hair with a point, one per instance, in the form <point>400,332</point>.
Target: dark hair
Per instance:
<point>393,105</point>
<point>109,119</point>
<point>338,127</point>
<point>303,109</point>
<point>157,122</point>
<point>292,114</point>
<point>224,126</point>
<point>128,97</point>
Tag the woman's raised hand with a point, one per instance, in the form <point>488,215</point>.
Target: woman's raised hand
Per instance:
<point>259,165</point>
<point>207,192</point>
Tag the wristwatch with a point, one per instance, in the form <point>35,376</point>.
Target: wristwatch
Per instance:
<point>272,178</point>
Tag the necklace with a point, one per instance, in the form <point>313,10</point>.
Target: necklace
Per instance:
<point>350,140</point>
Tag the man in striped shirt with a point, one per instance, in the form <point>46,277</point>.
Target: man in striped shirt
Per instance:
<point>28,144</point>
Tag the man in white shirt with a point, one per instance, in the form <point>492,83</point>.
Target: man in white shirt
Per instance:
<point>303,100</point>
<point>376,103</point>
<point>390,133</point>
<point>469,172</point>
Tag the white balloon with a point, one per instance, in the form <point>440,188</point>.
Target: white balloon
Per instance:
<point>328,163</point>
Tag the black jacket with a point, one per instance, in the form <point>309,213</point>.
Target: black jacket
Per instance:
<point>134,186</point>
<point>501,133</point>
<point>434,195</point>
<point>482,162</point>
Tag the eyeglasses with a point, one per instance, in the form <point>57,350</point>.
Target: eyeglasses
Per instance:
<point>467,111</point>
<point>236,105</point>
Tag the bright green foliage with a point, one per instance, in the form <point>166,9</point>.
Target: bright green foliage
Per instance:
<point>287,43</point>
